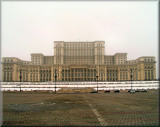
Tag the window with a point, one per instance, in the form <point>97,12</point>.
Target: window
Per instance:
<point>81,74</point>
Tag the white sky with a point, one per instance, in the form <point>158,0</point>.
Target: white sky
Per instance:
<point>125,26</point>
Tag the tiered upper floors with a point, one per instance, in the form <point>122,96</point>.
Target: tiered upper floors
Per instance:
<point>69,53</point>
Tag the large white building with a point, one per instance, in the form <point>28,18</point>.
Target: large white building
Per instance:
<point>79,61</point>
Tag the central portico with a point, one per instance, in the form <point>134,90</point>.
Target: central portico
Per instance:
<point>78,73</point>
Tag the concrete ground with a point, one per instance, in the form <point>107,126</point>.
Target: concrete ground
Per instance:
<point>87,109</point>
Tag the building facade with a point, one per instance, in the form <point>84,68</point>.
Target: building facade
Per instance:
<point>78,61</point>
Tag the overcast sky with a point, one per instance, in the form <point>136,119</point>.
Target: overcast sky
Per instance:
<point>125,26</point>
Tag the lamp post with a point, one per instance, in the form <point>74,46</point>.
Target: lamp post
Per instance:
<point>131,78</point>
<point>97,83</point>
<point>55,81</point>
<point>20,77</point>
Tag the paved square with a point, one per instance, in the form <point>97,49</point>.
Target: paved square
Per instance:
<point>90,109</point>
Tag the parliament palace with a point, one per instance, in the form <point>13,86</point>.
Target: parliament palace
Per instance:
<point>78,61</point>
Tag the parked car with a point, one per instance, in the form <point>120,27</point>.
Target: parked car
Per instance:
<point>137,91</point>
<point>144,91</point>
<point>93,92</point>
<point>132,91</point>
<point>116,91</point>
<point>107,91</point>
